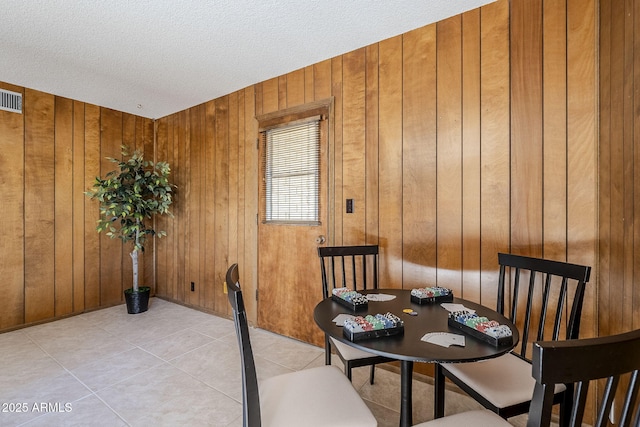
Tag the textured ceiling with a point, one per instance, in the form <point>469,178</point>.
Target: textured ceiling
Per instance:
<point>155,57</point>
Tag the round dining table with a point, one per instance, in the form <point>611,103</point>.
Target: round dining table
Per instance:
<point>407,347</point>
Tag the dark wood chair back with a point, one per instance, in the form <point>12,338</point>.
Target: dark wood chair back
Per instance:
<point>354,267</point>
<point>551,293</point>
<point>581,362</point>
<point>250,394</point>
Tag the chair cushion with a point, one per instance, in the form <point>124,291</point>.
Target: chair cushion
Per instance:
<point>503,381</point>
<point>479,418</point>
<point>350,353</point>
<point>320,396</point>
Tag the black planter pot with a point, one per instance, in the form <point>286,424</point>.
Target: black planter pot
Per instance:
<point>137,302</point>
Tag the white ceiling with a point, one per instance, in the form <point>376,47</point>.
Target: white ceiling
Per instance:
<point>156,57</point>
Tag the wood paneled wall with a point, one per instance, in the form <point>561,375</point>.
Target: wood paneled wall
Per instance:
<point>213,153</point>
<point>456,141</point>
<point>52,260</point>
<point>619,167</point>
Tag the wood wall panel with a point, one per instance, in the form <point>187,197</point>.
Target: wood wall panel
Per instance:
<point>527,145</point>
<point>233,198</point>
<point>144,141</point>
<point>295,89</point>
<point>221,185</point>
<point>419,114</point>
<point>526,128</point>
<point>495,145</point>
<point>195,202</point>
<point>636,157</point>
<point>39,202</point>
<point>282,92</point>
<point>554,117</point>
<point>177,236</point>
<point>63,206</point>
<point>249,254</point>
<point>372,193</point>
<point>129,139</point>
<point>336,191</point>
<point>79,200</point>
<point>162,269</point>
<point>270,96</point>
<point>12,251</point>
<point>582,143</point>
<point>353,137</point>
<point>309,80</point>
<point>628,111</point>
<point>390,161</point>
<point>236,183</point>
<point>210,208</point>
<point>111,250</point>
<point>92,161</point>
<point>182,147</point>
<point>471,148</point>
<point>604,166</point>
<point>613,322</point>
<point>449,154</point>
<point>321,80</point>
<point>234,161</point>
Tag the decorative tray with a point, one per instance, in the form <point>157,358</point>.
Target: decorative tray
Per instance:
<point>482,328</point>
<point>351,299</point>
<point>381,325</point>
<point>429,295</point>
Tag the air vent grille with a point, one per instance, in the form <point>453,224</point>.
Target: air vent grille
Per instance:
<point>10,101</point>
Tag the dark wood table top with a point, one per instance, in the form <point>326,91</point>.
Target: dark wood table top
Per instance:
<point>408,346</point>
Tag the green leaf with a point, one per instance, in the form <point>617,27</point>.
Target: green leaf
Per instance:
<point>135,191</point>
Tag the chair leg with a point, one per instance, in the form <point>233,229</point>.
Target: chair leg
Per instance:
<point>372,374</point>
<point>439,388</point>
<point>566,407</point>
<point>327,350</point>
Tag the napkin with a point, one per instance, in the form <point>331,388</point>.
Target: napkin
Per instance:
<point>380,297</point>
<point>444,339</point>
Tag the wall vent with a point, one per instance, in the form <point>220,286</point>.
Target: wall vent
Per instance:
<point>10,101</point>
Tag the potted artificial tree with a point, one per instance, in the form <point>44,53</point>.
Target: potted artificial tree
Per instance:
<point>130,196</point>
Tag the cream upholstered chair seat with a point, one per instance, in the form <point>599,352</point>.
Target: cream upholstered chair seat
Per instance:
<point>479,418</point>
<point>348,352</point>
<point>503,381</point>
<point>312,398</point>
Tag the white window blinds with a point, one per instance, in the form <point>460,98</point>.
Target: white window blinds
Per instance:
<point>291,173</point>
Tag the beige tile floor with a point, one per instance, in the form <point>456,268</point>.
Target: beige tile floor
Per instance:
<point>169,366</point>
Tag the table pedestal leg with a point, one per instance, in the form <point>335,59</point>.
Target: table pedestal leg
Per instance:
<point>406,399</point>
<point>438,385</point>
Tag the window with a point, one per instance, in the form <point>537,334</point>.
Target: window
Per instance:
<point>291,165</point>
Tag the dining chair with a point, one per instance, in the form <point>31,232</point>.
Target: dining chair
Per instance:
<point>354,267</point>
<point>581,363</point>
<point>548,302</point>
<point>320,396</point>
